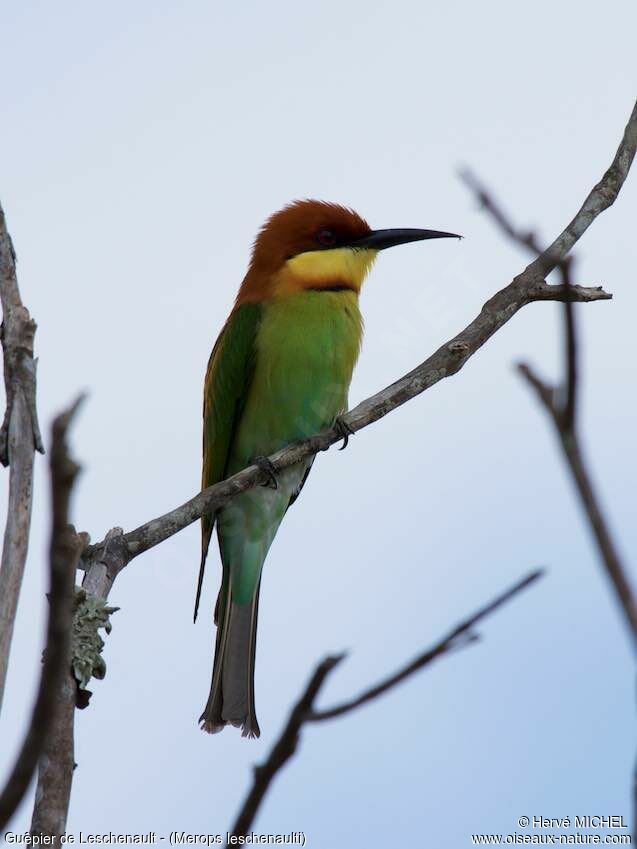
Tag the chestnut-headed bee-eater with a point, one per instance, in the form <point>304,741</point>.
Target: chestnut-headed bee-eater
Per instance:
<point>279,371</point>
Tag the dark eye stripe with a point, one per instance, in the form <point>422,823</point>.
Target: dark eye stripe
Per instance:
<point>326,238</point>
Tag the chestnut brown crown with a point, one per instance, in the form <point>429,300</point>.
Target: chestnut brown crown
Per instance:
<point>305,225</point>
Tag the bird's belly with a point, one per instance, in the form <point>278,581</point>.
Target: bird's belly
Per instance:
<point>306,351</point>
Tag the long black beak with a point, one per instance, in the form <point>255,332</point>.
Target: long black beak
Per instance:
<point>378,240</point>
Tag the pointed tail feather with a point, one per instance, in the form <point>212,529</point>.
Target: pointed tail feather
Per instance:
<point>231,699</point>
<point>206,532</point>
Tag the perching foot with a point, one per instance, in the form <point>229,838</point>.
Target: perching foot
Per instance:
<point>344,430</point>
<point>267,467</point>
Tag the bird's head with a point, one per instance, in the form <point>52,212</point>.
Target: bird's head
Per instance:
<point>312,244</point>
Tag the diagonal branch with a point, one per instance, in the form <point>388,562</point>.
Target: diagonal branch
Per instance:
<point>601,196</point>
<point>563,410</point>
<point>457,638</point>
<point>446,361</point>
<point>19,438</point>
<point>527,287</point>
<point>574,456</point>
<point>284,748</point>
<point>64,553</point>
<point>303,711</point>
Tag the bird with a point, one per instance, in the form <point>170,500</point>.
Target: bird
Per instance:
<point>279,371</point>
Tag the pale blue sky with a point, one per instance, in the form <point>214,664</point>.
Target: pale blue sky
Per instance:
<point>142,146</point>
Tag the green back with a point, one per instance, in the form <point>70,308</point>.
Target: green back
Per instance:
<point>228,378</point>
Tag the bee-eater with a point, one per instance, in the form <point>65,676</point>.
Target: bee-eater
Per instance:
<point>279,371</point>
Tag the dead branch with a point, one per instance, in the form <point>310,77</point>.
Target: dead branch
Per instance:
<point>571,447</point>
<point>303,711</point>
<point>284,747</point>
<point>65,549</point>
<point>561,402</point>
<point>19,438</point>
<point>57,762</point>
<point>561,405</point>
<point>459,637</point>
<point>56,766</point>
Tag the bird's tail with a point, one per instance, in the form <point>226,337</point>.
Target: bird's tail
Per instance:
<point>231,699</point>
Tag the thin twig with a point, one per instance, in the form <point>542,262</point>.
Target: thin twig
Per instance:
<point>283,749</point>
<point>529,239</point>
<point>564,412</point>
<point>65,549</point>
<point>303,710</point>
<point>19,438</point>
<point>448,643</point>
<point>601,196</point>
<point>526,238</point>
<point>570,356</point>
<point>573,454</point>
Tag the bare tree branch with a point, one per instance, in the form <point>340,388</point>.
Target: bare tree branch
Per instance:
<point>18,332</point>
<point>573,454</point>
<point>57,762</point>
<point>563,410</point>
<point>603,195</point>
<point>56,766</point>
<point>65,549</point>
<point>19,438</point>
<point>303,711</point>
<point>283,749</point>
<point>457,638</point>
<point>527,287</point>
<point>570,336</point>
<point>564,416</point>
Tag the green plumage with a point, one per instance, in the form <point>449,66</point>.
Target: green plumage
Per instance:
<point>280,371</point>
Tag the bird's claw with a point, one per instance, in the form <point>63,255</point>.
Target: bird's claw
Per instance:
<point>267,467</point>
<point>344,430</point>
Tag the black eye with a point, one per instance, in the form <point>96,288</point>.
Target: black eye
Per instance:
<point>326,238</point>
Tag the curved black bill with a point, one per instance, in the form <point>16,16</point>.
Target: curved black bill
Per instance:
<point>378,240</point>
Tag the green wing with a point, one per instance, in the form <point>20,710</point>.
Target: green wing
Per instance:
<point>228,378</point>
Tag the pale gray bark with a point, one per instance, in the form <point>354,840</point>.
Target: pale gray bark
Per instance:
<point>64,554</point>
<point>56,766</point>
<point>19,438</point>
<point>57,762</point>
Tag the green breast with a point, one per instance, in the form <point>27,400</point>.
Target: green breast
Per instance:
<point>306,349</point>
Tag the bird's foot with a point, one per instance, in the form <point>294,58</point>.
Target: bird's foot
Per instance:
<point>267,467</point>
<point>344,430</point>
